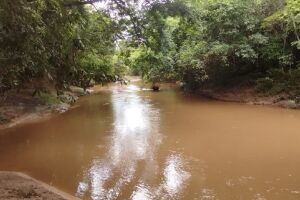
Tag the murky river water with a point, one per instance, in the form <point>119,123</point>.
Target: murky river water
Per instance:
<point>132,144</point>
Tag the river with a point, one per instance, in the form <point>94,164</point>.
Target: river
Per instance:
<point>130,143</point>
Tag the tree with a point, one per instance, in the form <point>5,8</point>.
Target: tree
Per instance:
<point>48,40</point>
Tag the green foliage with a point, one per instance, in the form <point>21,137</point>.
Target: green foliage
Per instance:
<point>224,37</point>
<point>151,66</point>
<point>264,84</point>
<point>289,20</point>
<point>69,45</point>
<point>202,43</point>
<point>154,60</point>
<point>217,42</point>
<point>48,98</point>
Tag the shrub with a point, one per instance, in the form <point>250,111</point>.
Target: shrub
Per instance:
<point>264,84</point>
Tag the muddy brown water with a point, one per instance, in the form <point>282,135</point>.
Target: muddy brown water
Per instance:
<point>133,144</point>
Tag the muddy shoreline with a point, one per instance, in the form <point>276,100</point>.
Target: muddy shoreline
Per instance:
<point>23,108</point>
<point>249,96</point>
<point>16,185</point>
<point>26,109</point>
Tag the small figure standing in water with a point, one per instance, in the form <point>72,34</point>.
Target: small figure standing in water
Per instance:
<point>155,87</point>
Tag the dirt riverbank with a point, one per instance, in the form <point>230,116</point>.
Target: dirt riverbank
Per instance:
<point>249,95</point>
<point>22,107</point>
<point>18,186</point>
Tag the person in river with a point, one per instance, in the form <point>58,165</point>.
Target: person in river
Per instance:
<point>155,87</point>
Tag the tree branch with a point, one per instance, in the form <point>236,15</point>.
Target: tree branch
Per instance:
<point>80,2</point>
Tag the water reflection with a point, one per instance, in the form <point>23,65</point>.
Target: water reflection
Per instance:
<point>172,183</point>
<point>175,175</point>
<point>142,192</point>
<point>131,154</point>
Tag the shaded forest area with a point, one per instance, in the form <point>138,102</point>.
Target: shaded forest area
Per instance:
<point>201,43</point>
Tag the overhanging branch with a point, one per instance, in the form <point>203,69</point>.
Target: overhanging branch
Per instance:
<point>80,2</point>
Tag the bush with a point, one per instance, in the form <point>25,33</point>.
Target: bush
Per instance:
<point>264,84</point>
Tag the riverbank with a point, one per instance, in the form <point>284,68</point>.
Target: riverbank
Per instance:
<point>249,95</point>
<point>15,185</point>
<point>22,107</point>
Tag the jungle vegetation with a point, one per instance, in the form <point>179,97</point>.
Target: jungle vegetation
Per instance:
<point>202,43</point>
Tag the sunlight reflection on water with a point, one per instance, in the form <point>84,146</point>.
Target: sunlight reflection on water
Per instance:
<point>135,137</point>
<point>173,182</point>
<point>174,174</point>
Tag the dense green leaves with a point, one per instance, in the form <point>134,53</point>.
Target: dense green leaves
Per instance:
<point>48,40</point>
<point>216,42</point>
<point>202,43</point>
